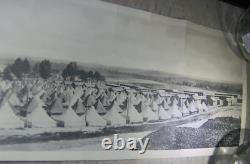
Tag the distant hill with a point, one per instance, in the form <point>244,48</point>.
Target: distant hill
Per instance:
<point>146,77</point>
<point>120,74</point>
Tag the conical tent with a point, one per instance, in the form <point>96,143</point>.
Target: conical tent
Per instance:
<point>174,110</point>
<point>70,118</point>
<point>93,119</point>
<point>204,106</point>
<point>100,108</point>
<point>184,109</point>
<point>155,106</point>
<point>133,115</point>
<point>163,114</point>
<point>104,100</point>
<point>84,95</point>
<point>121,98</point>
<point>198,105</point>
<point>33,103</point>
<point>90,101</point>
<point>133,99</point>
<point>148,114</point>
<point>165,104</point>
<point>57,107</point>
<point>8,119</point>
<point>159,99</point>
<point>73,100</point>
<point>38,116</point>
<point>68,97</point>
<point>113,117</point>
<point>80,108</point>
<point>191,107</point>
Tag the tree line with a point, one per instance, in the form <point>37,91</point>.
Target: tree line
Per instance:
<point>22,68</point>
<point>72,71</point>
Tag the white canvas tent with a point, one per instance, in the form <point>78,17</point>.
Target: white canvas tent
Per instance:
<point>184,109</point>
<point>93,118</point>
<point>104,100</point>
<point>204,106</point>
<point>191,107</point>
<point>165,104</point>
<point>57,107</point>
<point>73,99</point>
<point>121,97</point>
<point>133,115</point>
<point>80,108</point>
<point>163,114</point>
<point>100,108</point>
<point>198,105</point>
<point>70,118</point>
<point>155,106</point>
<point>113,117</point>
<point>148,114</point>
<point>8,119</point>
<point>38,116</point>
<point>174,110</point>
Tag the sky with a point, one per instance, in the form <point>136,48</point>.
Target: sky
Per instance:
<point>91,31</point>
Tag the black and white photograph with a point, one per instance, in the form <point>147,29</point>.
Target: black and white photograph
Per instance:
<point>74,72</point>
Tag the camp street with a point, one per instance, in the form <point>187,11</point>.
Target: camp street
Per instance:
<point>87,144</point>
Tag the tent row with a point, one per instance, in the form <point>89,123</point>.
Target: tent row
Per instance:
<point>37,116</point>
<point>50,104</point>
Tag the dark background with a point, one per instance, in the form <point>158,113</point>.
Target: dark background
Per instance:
<point>240,3</point>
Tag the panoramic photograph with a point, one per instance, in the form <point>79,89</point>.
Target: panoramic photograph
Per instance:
<point>51,106</point>
<point>74,72</point>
